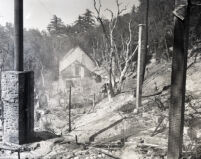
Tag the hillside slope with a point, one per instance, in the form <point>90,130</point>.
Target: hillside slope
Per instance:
<point>112,127</point>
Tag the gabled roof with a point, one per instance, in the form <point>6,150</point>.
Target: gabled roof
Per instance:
<point>69,52</point>
<point>76,54</point>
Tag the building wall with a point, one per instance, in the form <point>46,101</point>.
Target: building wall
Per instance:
<point>75,71</point>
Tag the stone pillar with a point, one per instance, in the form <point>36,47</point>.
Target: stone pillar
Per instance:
<point>18,106</point>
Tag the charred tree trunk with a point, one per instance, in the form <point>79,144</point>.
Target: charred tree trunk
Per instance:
<point>167,50</point>
<point>42,75</point>
<point>110,90</point>
<point>146,38</point>
<point>178,83</point>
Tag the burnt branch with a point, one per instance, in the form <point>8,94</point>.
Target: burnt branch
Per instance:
<point>98,11</point>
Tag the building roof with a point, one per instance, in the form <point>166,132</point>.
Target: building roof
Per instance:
<point>77,54</point>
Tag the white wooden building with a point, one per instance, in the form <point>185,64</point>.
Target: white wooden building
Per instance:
<point>76,67</point>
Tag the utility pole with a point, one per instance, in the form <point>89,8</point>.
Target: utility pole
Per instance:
<point>140,65</point>
<point>18,40</point>
<point>146,37</point>
<point>178,79</point>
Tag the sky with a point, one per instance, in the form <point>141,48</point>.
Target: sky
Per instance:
<point>37,13</point>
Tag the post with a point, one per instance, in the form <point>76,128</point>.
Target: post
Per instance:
<point>76,139</point>
<point>140,67</point>
<point>178,79</point>
<point>69,110</point>
<point>18,40</point>
<point>146,38</point>
<point>18,154</point>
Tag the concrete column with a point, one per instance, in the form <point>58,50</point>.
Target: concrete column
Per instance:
<point>18,106</point>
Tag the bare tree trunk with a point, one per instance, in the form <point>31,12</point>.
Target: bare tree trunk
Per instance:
<point>110,90</point>
<point>167,50</point>
<point>122,76</point>
<point>178,83</point>
<point>42,75</point>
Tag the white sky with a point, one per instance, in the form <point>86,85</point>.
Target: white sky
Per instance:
<point>37,13</point>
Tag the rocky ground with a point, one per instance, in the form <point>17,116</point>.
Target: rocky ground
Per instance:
<point>113,130</point>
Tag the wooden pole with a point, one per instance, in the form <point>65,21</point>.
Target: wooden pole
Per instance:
<point>178,83</point>
<point>76,139</point>
<point>18,154</point>
<point>69,110</point>
<point>139,68</point>
<point>18,40</point>
<point>146,38</point>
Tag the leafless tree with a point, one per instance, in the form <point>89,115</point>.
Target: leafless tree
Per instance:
<point>115,59</point>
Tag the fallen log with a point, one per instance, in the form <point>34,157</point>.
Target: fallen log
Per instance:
<point>92,138</point>
<point>119,137</point>
<point>116,145</point>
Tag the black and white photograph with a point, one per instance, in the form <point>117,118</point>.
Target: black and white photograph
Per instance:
<point>100,79</point>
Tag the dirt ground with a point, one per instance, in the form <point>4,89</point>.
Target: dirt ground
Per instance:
<point>112,129</point>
